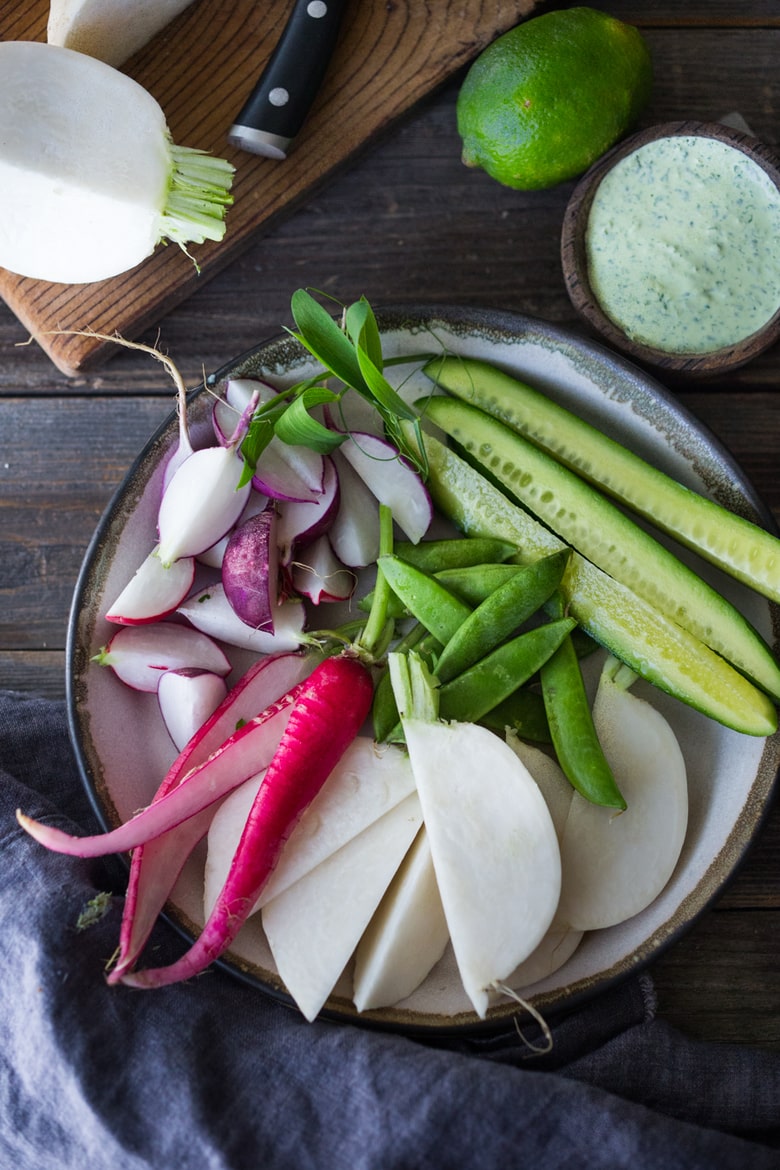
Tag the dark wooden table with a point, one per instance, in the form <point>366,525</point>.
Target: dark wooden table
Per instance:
<point>407,222</point>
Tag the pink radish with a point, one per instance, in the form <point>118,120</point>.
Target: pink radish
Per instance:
<point>392,480</point>
<point>212,613</point>
<point>300,521</point>
<point>155,866</point>
<point>187,698</point>
<point>319,575</point>
<point>354,533</point>
<point>139,655</point>
<point>153,592</point>
<point>326,717</point>
<point>250,570</point>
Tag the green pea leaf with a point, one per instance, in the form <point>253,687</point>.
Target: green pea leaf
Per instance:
<point>325,340</point>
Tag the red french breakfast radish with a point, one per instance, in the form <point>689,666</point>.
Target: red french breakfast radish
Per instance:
<point>140,654</point>
<point>392,480</point>
<point>153,592</point>
<point>250,570</point>
<point>187,698</point>
<point>326,717</point>
<point>211,612</point>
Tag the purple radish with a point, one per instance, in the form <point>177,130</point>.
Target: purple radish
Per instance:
<point>354,533</point>
<point>299,521</point>
<point>250,571</point>
<point>326,717</point>
<point>319,575</point>
<point>153,592</point>
<point>155,866</point>
<point>187,698</point>
<point>212,614</point>
<point>236,397</point>
<point>392,480</point>
<point>139,655</point>
<point>214,554</point>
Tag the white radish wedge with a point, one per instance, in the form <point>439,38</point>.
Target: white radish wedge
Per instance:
<point>187,699</point>
<point>616,864</point>
<point>301,521</point>
<point>210,612</point>
<point>319,575</point>
<point>139,655</point>
<point>392,480</point>
<point>556,948</point>
<point>367,782</point>
<point>111,30</point>
<point>354,533</point>
<point>406,937</point>
<point>201,503</point>
<point>314,926</point>
<point>153,592</point>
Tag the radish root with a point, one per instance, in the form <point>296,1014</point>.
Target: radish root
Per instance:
<point>536,1049</point>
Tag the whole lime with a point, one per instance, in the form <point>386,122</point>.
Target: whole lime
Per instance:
<point>549,97</point>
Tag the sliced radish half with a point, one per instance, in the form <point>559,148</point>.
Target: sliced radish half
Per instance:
<point>139,655</point>
<point>354,533</point>
<point>300,521</point>
<point>211,612</point>
<point>250,570</point>
<point>320,576</point>
<point>153,592</point>
<point>392,480</point>
<point>187,699</point>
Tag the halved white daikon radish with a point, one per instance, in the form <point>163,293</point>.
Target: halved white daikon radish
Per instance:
<point>616,864</point>
<point>314,926</point>
<point>548,774</point>
<point>406,937</point>
<point>111,30</point>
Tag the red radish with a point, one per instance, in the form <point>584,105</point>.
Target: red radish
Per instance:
<point>299,521</point>
<point>212,613</point>
<point>326,717</point>
<point>392,480</point>
<point>214,554</point>
<point>155,866</point>
<point>319,575</point>
<point>139,655</point>
<point>354,533</point>
<point>153,592</point>
<point>250,570</point>
<point>187,698</point>
<point>240,757</point>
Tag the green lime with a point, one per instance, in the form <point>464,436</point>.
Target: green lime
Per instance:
<point>549,97</point>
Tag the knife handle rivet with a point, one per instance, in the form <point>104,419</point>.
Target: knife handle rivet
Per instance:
<point>317,9</point>
<point>279,96</point>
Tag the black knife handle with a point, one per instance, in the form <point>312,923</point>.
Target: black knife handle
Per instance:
<point>279,103</point>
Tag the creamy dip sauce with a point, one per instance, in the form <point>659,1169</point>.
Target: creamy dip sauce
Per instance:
<point>683,245</point>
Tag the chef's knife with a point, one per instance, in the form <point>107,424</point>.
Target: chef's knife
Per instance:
<point>279,103</point>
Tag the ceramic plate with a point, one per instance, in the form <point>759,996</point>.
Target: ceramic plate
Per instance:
<point>123,749</point>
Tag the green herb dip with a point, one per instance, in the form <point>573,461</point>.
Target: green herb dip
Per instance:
<point>683,245</point>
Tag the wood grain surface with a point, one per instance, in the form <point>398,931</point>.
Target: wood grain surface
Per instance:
<point>404,221</point>
<point>201,69</point>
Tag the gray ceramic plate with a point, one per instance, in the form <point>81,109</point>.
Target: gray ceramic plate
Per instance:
<point>123,749</point>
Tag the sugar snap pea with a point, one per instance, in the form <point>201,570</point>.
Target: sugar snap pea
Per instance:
<point>471,583</point>
<point>571,726</point>
<point>524,713</point>
<point>501,614</point>
<point>488,682</point>
<point>455,553</point>
<point>439,610</point>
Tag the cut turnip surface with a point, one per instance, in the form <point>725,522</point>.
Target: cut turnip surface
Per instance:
<point>210,612</point>
<point>188,698</point>
<point>616,864</point>
<point>111,30</point>
<point>314,926</point>
<point>392,480</point>
<point>153,592</point>
<point>139,655</point>
<point>406,936</point>
<point>368,781</point>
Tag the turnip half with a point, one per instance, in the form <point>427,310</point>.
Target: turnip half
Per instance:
<point>111,30</point>
<point>90,180</point>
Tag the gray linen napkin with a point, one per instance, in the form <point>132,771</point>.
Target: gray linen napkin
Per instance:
<point>214,1075</point>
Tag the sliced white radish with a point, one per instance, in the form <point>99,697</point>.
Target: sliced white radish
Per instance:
<point>549,776</point>
<point>556,948</point>
<point>314,926</point>
<point>406,937</point>
<point>139,655</point>
<point>250,570</point>
<point>215,553</point>
<point>616,864</point>
<point>319,575</point>
<point>187,699</point>
<point>153,591</point>
<point>201,502</point>
<point>495,851</point>
<point>211,612</point>
<point>354,533</point>
<point>111,30</point>
<point>392,480</point>
<point>300,521</point>
<point>367,782</point>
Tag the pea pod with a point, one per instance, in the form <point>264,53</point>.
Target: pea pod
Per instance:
<point>501,614</point>
<point>432,556</point>
<point>571,726</point>
<point>524,713</point>
<point>471,583</point>
<point>434,606</point>
<point>496,676</point>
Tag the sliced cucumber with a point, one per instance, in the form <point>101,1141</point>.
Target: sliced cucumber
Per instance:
<point>742,549</point>
<point>652,645</point>
<point>602,533</point>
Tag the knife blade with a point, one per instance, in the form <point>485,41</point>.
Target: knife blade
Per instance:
<point>280,101</point>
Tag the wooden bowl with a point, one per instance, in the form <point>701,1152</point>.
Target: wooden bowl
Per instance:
<point>575,261</point>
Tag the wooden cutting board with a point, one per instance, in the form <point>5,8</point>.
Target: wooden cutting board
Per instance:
<point>201,69</point>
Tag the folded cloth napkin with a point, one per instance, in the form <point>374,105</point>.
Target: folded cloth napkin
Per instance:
<point>215,1075</point>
